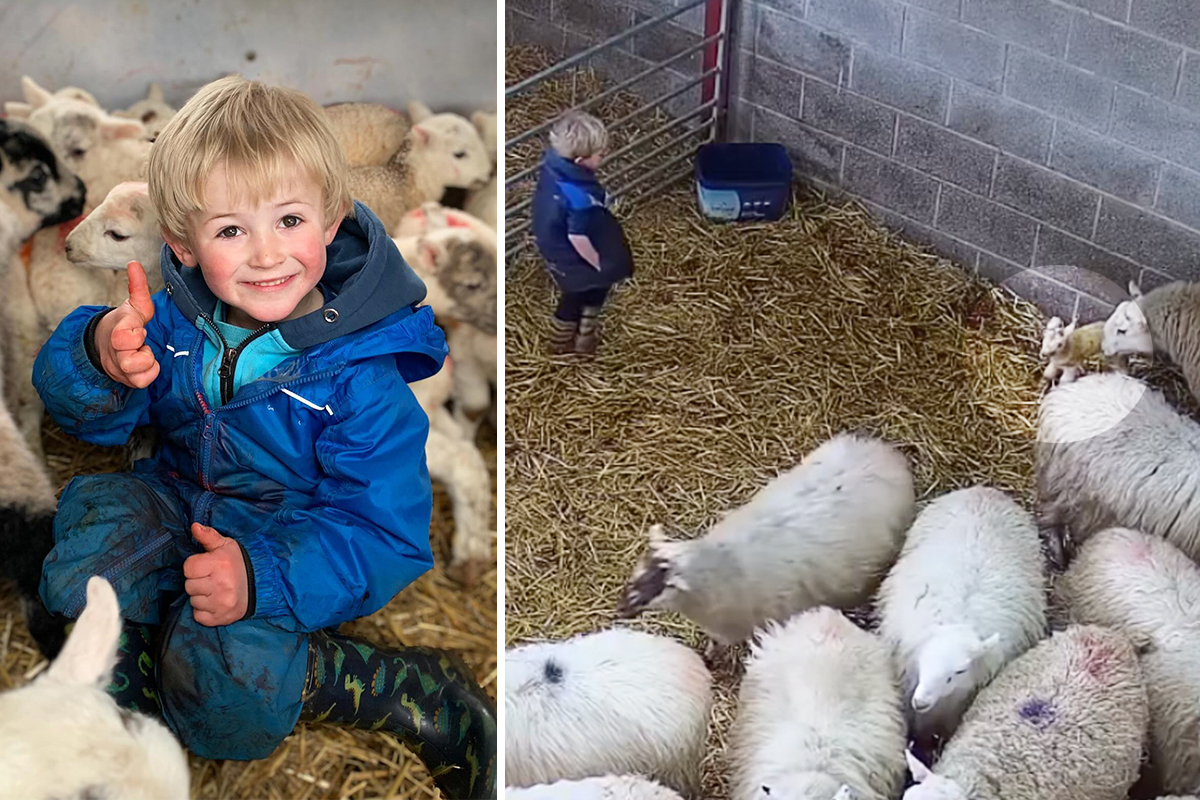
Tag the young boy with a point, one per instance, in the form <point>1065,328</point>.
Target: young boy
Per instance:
<point>289,492</point>
<point>582,242</point>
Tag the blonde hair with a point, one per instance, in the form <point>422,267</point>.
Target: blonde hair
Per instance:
<point>578,134</point>
<point>260,134</point>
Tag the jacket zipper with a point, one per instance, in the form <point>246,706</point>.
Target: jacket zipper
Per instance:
<point>229,359</point>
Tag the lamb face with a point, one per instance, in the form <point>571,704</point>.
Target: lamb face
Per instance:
<point>38,190</point>
<point>123,228</point>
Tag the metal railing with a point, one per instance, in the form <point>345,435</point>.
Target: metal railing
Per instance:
<point>666,151</point>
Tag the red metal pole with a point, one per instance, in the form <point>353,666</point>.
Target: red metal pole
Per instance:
<point>712,26</point>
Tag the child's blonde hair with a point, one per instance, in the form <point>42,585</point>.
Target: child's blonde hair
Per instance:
<point>259,133</point>
<point>578,134</point>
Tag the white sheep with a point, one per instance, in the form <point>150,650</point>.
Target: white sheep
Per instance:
<point>1068,347</point>
<point>370,134</point>
<point>818,713</point>
<point>63,736</point>
<point>1066,720</point>
<point>1166,320</point>
<point>1144,587</point>
<point>455,461</point>
<point>440,151</point>
<point>608,787</point>
<point>17,110</point>
<point>153,112</point>
<point>121,229</point>
<point>965,597</point>
<point>615,701</point>
<point>1113,452</point>
<point>482,202</point>
<point>823,533</point>
<point>35,191</point>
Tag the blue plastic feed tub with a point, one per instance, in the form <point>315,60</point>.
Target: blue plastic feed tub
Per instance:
<point>743,180</point>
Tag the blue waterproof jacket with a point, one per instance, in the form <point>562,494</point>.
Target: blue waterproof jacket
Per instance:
<point>317,468</point>
<point>570,200</point>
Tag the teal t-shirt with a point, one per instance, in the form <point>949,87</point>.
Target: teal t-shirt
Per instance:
<point>260,356</point>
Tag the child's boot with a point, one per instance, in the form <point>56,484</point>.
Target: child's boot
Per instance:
<point>135,679</point>
<point>427,698</point>
<point>588,337</point>
<point>562,336</point>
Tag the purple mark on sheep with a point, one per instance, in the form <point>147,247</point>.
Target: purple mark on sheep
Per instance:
<point>1038,713</point>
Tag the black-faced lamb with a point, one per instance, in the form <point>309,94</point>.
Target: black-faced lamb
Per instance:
<point>1164,320</point>
<point>818,713</point>
<point>1146,588</point>
<point>609,787</point>
<point>36,190</point>
<point>1113,452</point>
<point>823,533</point>
<point>1065,721</point>
<point>62,736</point>
<point>613,702</point>
<point>965,597</point>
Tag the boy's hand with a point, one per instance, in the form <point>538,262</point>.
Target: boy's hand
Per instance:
<point>216,579</point>
<point>121,335</point>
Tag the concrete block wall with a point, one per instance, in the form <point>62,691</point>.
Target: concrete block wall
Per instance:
<point>1050,144</point>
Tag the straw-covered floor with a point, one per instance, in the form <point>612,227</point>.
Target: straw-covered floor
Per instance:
<point>317,761</point>
<point>736,349</point>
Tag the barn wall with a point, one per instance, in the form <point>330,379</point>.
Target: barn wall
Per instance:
<point>443,52</point>
<point>1010,135</point>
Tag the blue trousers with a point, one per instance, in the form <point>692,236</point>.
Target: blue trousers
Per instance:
<point>227,692</point>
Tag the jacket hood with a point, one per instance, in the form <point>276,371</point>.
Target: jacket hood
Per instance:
<point>366,280</point>
<point>568,170</point>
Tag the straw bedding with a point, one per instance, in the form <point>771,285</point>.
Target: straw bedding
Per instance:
<point>317,761</point>
<point>735,350</point>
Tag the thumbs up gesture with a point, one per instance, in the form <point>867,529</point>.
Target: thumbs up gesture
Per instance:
<point>121,335</point>
<point>215,580</point>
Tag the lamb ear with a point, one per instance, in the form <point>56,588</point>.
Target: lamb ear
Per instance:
<point>35,95</point>
<point>155,94</point>
<point>17,110</point>
<point>90,651</point>
<point>656,536</point>
<point>920,772</point>
<point>420,136</point>
<point>418,111</point>
<point>1135,291</point>
<point>431,252</point>
<point>113,129</point>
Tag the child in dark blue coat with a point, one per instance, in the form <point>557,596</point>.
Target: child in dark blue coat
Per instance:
<point>582,242</point>
<point>289,492</point>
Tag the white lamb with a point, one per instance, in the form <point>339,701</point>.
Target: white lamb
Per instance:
<point>121,229</point>
<point>455,461</point>
<point>1144,587</point>
<point>441,151</point>
<point>482,202</point>
<point>1068,347</point>
<point>612,702</point>
<point>63,736</point>
<point>153,112</point>
<point>1113,452</point>
<point>818,714</point>
<point>1065,721</point>
<point>1165,320</point>
<point>370,134</point>
<point>17,110</point>
<point>609,787</point>
<point>964,599</point>
<point>823,533</point>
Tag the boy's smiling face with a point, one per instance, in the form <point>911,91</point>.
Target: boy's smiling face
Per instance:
<point>262,260</point>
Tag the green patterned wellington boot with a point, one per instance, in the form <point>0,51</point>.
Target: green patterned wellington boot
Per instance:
<point>135,682</point>
<point>427,698</point>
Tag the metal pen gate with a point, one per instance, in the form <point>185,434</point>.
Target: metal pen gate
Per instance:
<point>665,152</point>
